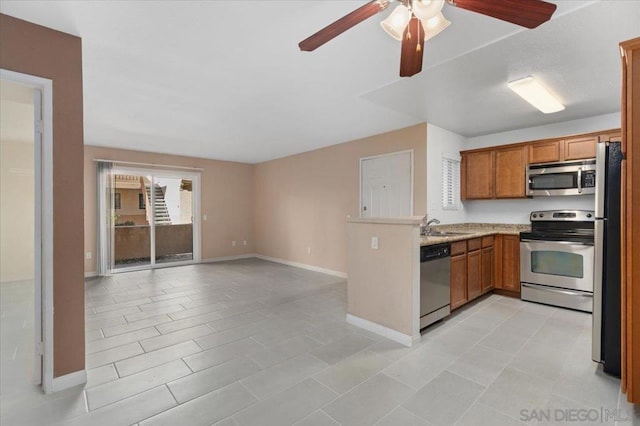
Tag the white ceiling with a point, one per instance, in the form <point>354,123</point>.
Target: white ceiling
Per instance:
<point>225,79</point>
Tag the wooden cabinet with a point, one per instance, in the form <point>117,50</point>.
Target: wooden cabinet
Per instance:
<point>507,263</point>
<point>458,274</point>
<point>458,280</point>
<point>544,152</point>
<point>474,272</point>
<point>478,178</point>
<point>510,172</point>
<point>487,273</point>
<point>472,268</point>
<point>610,137</point>
<point>580,148</point>
<point>499,172</point>
<point>630,286</point>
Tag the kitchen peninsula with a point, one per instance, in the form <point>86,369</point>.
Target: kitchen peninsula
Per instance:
<point>383,288</point>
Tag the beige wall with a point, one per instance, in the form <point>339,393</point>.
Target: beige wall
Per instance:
<point>302,201</point>
<point>381,282</point>
<point>32,49</point>
<point>226,199</point>
<point>16,211</point>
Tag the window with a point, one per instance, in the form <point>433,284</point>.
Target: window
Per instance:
<point>141,201</point>
<point>450,183</point>
<point>116,201</point>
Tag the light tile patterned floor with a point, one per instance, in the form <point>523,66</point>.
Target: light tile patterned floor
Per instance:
<point>257,343</point>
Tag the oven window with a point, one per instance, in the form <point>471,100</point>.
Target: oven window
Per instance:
<point>553,181</point>
<point>559,263</point>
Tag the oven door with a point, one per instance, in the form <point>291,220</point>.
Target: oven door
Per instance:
<point>557,263</point>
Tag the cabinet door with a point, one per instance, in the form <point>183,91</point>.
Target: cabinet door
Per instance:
<point>458,280</point>
<point>474,274</point>
<point>580,148</point>
<point>510,172</point>
<point>611,137</point>
<point>511,263</point>
<point>544,152</point>
<point>478,175</point>
<point>487,275</point>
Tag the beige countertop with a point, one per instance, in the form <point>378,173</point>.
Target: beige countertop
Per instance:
<point>472,230</point>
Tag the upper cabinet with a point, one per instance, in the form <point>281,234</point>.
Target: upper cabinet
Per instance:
<point>580,148</point>
<point>499,171</point>
<point>544,152</point>
<point>510,172</point>
<point>478,170</point>
<point>563,150</point>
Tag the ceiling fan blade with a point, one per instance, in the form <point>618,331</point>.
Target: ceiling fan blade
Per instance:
<point>526,13</point>
<point>343,24</point>
<point>412,48</point>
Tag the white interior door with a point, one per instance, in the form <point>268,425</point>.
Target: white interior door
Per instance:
<point>386,185</point>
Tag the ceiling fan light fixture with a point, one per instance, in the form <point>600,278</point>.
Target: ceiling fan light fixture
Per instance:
<point>395,23</point>
<point>529,89</point>
<point>426,9</point>
<point>434,26</point>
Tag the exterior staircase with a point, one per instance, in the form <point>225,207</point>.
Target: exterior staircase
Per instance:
<point>160,211</point>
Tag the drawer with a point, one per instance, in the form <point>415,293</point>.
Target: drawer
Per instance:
<point>474,244</point>
<point>487,241</point>
<point>459,247</point>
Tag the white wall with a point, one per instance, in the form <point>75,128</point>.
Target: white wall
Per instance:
<point>441,142</point>
<point>584,125</point>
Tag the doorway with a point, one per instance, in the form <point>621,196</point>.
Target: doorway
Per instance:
<point>386,185</point>
<point>26,243</point>
<point>152,219</point>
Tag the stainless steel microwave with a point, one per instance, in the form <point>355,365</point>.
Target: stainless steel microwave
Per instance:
<point>565,178</point>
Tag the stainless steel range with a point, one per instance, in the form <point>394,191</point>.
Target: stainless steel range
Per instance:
<point>556,259</point>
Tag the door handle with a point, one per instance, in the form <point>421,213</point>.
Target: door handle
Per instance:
<point>364,208</point>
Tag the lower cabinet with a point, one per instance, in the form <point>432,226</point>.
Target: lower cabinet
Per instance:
<point>458,280</point>
<point>472,269</point>
<point>507,264</point>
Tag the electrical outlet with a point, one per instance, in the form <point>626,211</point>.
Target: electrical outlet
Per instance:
<point>204,217</point>
<point>88,255</point>
<point>233,243</point>
<point>244,242</point>
<point>308,250</point>
<point>374,243</point>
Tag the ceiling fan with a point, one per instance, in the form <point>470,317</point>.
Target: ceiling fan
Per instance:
<point>415,21</point>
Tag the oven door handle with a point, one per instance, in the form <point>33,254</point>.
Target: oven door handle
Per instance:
<point>575,243</point>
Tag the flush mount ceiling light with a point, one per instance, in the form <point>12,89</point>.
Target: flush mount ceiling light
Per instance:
<point>536,94</point>
<point>415,21</point>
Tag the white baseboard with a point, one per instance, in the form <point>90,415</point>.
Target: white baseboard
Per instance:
<point>69,380</point>
<point>90,274</point>
<point>381,330</point>
<point>303,266</point>
<point>225,258</point>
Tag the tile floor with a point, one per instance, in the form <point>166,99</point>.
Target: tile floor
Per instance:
<point>257,343</point>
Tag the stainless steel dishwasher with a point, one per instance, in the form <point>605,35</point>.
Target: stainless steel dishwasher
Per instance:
<point>435,283</point>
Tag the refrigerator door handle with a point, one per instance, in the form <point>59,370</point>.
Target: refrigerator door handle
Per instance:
<point>601,164</point>
<point>596,347</point>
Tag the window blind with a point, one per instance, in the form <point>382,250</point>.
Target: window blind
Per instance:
<point>450,183</point>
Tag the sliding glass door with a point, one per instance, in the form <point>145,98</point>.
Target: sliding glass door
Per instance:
<point>151,220</point>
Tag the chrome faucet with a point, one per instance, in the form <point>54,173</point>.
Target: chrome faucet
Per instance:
<point>424,227</point>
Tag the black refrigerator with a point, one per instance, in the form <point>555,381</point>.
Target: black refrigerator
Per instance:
<point>606,344</point>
